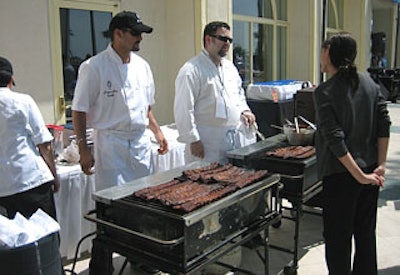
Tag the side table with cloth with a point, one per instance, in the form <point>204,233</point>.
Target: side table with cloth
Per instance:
<point>176,154</point>
<point>74,198</point>
<point>73,201</point>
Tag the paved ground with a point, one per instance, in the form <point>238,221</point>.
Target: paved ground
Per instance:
<point>311,248</point>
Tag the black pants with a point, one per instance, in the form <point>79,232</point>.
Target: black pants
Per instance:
<point>349,210</point>
<point>31,200</point>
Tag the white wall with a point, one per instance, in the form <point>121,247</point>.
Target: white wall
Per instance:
<point>178,25</point>
<point>24,28</point>
<point>218,10</point>
<point>170,44</point>
<point>302,52</point>
<point>154,49</point>
<point>357,21</point>
<point>181,45</point>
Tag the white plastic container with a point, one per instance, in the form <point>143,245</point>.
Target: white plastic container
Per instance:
<point>274,90</point>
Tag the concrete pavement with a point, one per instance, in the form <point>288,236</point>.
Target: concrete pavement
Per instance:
<point>311,247</point>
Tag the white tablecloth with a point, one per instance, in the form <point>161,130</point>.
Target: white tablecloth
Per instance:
<point>74,199</point>
<point>176,155</point>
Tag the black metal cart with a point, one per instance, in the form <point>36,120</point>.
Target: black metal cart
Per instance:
<point>299,178</point>
<point>389,81</point>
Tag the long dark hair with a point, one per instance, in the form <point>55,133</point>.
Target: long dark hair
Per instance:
<point>342,53</point>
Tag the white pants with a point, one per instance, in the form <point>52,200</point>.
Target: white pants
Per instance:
<point>120,160</point>
<point>217,141</point>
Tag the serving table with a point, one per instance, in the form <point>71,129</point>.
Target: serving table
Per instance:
<point>74,199</point>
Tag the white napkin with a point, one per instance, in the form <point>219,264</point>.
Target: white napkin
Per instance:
<point>11,235</point>
<point>71,153</point>
<point>20,231</point>
<point>44,224</point>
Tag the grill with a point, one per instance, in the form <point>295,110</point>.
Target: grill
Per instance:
<point>298,175</point>
<point>175,241</point>
<point>299,178</point>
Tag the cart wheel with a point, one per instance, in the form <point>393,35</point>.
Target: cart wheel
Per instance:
<point>277,224</point>
<point>289,270</point>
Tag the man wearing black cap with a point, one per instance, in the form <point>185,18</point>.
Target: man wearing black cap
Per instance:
<point>27,169</point>
<point>113,95</point>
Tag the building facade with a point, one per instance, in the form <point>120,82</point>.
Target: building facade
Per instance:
<point>273,39</point>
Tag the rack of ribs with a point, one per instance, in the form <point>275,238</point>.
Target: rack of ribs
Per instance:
<point>292,152</point>
<point>212,182</point>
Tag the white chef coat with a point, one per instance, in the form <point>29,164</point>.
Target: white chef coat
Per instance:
<point>208,103</point>
<point>21,128</point>
<point>116,99</point>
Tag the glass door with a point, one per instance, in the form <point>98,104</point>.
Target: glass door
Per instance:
<point>79,32</point>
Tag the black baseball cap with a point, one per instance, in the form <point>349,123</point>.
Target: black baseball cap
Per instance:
<point>128,20</point>
<point>6,70</point>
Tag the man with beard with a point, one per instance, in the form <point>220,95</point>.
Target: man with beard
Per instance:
<point>113,95</point>
<point>209,99</point>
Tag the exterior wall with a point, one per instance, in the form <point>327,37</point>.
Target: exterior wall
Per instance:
<point>177,36</point>
<point>357,20</point>
<point>301,36</point>
<point>24,27</point>
<point>220,10</point>
<point>155,49</point>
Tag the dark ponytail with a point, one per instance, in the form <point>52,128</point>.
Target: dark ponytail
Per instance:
<point>342,53</point>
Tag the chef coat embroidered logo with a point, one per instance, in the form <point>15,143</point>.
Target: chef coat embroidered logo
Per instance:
<point>109,92</point>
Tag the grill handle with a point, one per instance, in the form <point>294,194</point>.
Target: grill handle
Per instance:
<point>292,177</point>
<point>130,231</point>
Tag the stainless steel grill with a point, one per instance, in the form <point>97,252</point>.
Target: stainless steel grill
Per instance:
<point>179,242</point>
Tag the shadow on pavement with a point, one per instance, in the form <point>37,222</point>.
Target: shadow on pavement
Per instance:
<point>394,270</point>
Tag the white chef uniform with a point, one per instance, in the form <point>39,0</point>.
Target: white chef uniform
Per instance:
<point>21,128</point>
<point>116,98</point>
<point>208,103</point>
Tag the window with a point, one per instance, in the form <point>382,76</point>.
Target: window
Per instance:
<point>79,32</point>
<point>333,20</point>
<point>335,11</point>
<point>83,34</point>
<point>254,8</point>
<point>260,39</point>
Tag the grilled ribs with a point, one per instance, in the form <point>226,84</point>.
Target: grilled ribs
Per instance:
<point>292,152</point>
<point>201,186</point>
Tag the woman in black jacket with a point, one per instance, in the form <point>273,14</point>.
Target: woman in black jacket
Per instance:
<point>351,141</point>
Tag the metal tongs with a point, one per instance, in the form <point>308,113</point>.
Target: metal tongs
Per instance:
<point>258,133</point>
<point>296,124</point>
<point>312,125</point>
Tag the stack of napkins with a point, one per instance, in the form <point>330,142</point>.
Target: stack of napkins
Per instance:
<point>21,231</point>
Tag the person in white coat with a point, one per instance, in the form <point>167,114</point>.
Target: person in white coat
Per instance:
<point>113,95</point>
<point>209,99</point>
<point>28,172</point>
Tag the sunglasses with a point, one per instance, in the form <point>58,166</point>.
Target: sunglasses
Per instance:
<point>222,38</point>
<point>132,32</point>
